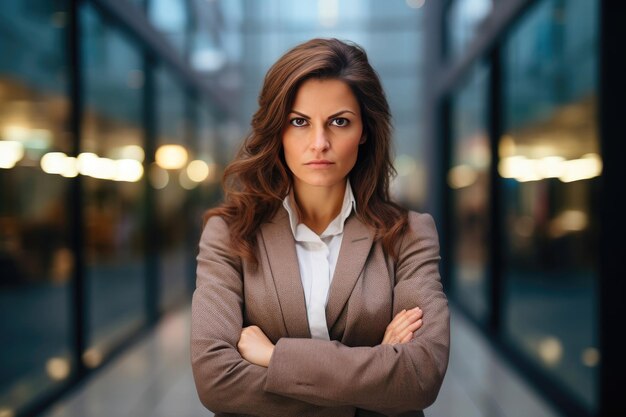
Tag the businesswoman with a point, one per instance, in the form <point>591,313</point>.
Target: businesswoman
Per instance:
<point>316,294</point>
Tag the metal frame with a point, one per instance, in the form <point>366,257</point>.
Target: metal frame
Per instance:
<point>612,308</point>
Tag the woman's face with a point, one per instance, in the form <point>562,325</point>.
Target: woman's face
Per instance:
<point>322,134</point>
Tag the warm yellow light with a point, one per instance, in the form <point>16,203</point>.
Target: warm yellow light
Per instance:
<point>529,171</point>
<point>129,170</point>
<point>551,166</point>
<point>171,156</point>
<point>197,170</point>
<point>507,146</point>
<point>186,182</point>
<point>69,167</point>
<point>86,163</point>
<point>159,178</point>
<point>53,162</point>
<point>92,358</point>
<point>11,152</point>
<point>520,168</point>
<point>591,357</point>
<point>589,166</point>
<point>6,412</point>
<point>461,176</point>
<point>550,350</point>
<point>131,152</point>
<point>16,133</point>
<point>104,169</point>
<point>568,221</point>
<point>58,369</point>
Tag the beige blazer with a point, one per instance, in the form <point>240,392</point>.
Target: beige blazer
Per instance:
<point>350,375</point>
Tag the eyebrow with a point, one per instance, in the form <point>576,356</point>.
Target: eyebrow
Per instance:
<point>339,113</point>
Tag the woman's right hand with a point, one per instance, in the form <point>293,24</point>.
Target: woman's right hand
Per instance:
<point>401,328</point>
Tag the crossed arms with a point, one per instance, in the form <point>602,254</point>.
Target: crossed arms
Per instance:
<point>315,377</point>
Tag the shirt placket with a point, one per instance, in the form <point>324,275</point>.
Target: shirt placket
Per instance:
<point>320,269</point>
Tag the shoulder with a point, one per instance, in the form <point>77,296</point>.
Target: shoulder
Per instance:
<point>215,243</point>
<point>215,227</point>
<point>421,229</point>
<point>421,222</point>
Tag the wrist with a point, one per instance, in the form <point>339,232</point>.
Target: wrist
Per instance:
<point>270,351</point>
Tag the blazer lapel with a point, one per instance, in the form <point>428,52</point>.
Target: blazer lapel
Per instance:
<point>355,247</point>
<point>283,260</point>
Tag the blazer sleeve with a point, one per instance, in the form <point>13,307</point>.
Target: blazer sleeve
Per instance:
<point>389,379</point>
<point>225,381</point>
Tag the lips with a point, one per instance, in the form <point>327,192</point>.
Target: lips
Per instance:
<point>319,162</point>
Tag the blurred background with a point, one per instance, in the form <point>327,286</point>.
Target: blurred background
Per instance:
<point>117,118</point>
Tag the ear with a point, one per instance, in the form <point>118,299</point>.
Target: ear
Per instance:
<point>362,140</point>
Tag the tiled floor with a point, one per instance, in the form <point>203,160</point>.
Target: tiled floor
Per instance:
<point>154,379</point>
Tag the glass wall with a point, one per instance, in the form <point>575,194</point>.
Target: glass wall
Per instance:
<point>469,181</point>
<point>172,158</point>
<point>42,176</point>
<point>463,21</point>
<point>36,261</point>
<point>111,164</point>
<point>171,17</point>
<point>550,164</point>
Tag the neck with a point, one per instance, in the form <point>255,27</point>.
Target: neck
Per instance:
<point>318,206</point>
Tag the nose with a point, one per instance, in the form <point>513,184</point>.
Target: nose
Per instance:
<point>319,141</point>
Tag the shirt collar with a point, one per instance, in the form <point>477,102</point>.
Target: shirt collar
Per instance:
<point>336,225</point>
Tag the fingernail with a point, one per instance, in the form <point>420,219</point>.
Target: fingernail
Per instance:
<point>416,309</point>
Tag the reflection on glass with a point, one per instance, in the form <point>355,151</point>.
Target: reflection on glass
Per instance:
<point>549,161</point>
<point>36,262</point>
<point>172,158</point>
<point>464,18</point>
<point>111,163</point>
<point>469,179</point>
<point>170,16</point>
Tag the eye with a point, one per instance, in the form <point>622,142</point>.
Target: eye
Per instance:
<point>298,122</point>
<point>340,122</point>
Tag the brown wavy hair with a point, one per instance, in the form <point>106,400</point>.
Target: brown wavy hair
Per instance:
<point>258,179</point>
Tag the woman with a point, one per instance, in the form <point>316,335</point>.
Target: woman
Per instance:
<point>311,283</point>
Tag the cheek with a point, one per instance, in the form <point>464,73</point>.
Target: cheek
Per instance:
<point>348,152</point>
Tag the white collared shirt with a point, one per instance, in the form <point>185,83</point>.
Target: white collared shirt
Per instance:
<point>317,258</point>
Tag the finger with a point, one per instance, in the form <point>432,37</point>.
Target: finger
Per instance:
<point>409,331</point>
<point>391,326</point>
<point>401,319</point>
<point>398,317</point>
<point>400,322</point>
<point>407,338</point>
<point>414,326</point>
<point>410,318</point>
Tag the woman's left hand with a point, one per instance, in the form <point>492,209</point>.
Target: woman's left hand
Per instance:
<point>254,346</point>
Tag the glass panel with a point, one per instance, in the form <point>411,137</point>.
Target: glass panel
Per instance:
<point>550,164</point>
<point>171,16</point>
<point>172,158</point>
<point>111,163</point>
<point>469,180</point>
<point>463,21</point>
<point>36,262</point>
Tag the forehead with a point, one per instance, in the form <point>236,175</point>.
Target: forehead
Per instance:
<point>325,95</point>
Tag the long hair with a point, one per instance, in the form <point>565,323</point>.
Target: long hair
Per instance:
<point>258,179</point>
